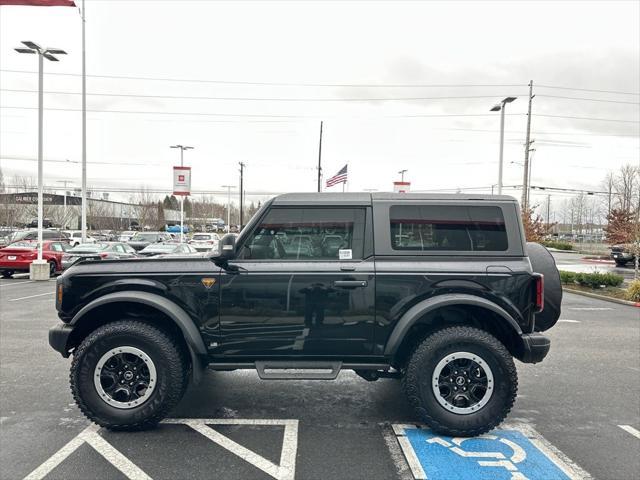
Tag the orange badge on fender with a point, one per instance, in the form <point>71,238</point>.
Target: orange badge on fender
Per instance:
<point>208,282</point>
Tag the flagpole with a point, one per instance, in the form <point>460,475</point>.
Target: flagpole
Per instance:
<point>83,221</point>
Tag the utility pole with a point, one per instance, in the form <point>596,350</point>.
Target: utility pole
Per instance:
<point>64,201</point>
<point>241,192</point>
<point>548,210</point>
<point>320,160</point>
<point>528,187</point>
<point>527,146</point>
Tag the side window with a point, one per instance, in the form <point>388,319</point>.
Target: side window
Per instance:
<point>119,249</point>
<point>46,234</point>
<point>129,249</point>
<point>56,247</point>
<point>447,228</point>
<point>307,234</point>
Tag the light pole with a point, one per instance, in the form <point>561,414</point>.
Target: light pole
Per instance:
<point>228,187</point>
<point>48,53</point>
<point>182,149</point>
<point>500,107</point>
<point>402,172</point>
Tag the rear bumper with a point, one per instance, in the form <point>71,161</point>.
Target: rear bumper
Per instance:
<point>59,338</point>
<point>536,347</point>
<point>18,266</point>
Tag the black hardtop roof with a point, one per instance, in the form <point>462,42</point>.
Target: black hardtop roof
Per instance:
<point>364,198</point>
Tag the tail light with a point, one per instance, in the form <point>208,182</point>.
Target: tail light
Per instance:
<point>539,289</point>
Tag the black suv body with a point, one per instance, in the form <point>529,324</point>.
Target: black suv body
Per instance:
<point>437,290</point>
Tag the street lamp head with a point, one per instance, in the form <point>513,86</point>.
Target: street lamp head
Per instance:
<point>24,50</point>
<point>32,45</point>
<point>496,108</point>
<point>509,99</point>
<point>49,57</point>
<point>56,51</point>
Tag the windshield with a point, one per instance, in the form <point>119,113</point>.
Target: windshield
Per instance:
<point>144,237</point>
<point>159,248</point>
<point>202,237</point>
<point>89,247</point>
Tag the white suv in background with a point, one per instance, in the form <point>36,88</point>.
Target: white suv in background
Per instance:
<point>204,242</point>
<point>75,237</point>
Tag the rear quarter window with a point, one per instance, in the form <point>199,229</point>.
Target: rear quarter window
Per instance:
<point>459,228</point>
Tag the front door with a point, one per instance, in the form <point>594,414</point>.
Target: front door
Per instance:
<point>305,286</point>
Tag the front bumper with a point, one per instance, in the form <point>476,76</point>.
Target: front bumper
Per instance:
<point>536,347</point>
<point>59,338</point>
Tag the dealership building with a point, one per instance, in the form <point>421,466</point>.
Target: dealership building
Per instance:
<point>64,211</point>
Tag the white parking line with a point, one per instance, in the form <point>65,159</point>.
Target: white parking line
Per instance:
<point>631,430</point>
<point>286,470</point>
<point>566,320</point>
<point>591,309</point>
<point>14,283</point>
<point>31,296</point>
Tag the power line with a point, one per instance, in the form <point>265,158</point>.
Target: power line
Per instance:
<point>616,92</point>
<point>585,99</point>
<point>272,99</point>
<point>277,84</point>
<point>585,118</point>
<point>438,115</point>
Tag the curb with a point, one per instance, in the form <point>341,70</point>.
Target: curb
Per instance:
<point>602,297</point>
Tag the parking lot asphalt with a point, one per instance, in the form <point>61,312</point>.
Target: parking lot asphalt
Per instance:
<point>576,399</point>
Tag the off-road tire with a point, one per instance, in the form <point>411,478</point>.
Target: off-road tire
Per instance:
<point>420,369</point>
<point>171,364</point>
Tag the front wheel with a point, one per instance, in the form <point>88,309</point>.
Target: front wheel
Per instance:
<point>461,381</point>
<point>128,375</point>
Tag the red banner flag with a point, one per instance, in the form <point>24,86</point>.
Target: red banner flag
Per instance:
<point>40,3</point>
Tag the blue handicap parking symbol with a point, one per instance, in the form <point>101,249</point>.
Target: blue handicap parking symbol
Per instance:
<point>501,455</point>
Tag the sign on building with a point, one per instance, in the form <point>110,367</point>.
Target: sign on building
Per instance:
<point>182,181</point>
<point>401,187</point>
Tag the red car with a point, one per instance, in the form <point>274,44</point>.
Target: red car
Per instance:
<point>18,256</point>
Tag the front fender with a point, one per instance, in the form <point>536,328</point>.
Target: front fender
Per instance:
<point>415,313</point>
<point>174,312</point>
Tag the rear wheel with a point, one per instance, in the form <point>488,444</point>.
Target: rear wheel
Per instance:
<point>52,268</point>
<point>7,273</point>
<point>461,381</point>
<point>620,263</point>
<point>128,375</point>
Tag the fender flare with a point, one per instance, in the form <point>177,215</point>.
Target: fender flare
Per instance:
<point>190,332</point>
<point>416,312</point>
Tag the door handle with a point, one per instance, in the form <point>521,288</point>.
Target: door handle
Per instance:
<point>350,283</point>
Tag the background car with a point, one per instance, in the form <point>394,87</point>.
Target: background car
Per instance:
<point>97,251</point>
<point>126,235</point>
<point>167,249</point>
<point>621,254</point>
<point>141,239</point>
<point>18,256</point>
<point>75,237</point>
<point>32,235</point>
<point>204,242</point>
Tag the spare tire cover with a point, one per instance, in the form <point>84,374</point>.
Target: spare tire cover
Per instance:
<point>543,262</point>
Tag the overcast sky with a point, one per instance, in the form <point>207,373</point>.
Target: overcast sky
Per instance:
<point>283,52</point>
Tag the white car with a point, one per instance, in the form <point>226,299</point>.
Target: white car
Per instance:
<point>75,237</point>
<point>126,235</point>
<point>204,242</point>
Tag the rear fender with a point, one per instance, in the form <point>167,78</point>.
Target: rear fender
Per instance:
<point>420,310</point>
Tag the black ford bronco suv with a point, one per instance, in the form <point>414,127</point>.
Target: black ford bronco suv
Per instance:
<point>440,291</point>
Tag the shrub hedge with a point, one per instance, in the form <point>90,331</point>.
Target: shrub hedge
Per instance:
<point>558,245</point>
<point>592,280</point>
<point>633,292</point>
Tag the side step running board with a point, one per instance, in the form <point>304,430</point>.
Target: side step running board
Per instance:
<point>282,370</point>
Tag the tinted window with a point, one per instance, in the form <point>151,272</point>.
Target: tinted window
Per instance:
<point>454,228</point>
<point>307,233</point>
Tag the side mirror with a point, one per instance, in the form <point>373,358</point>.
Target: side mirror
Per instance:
<point>226,248</point>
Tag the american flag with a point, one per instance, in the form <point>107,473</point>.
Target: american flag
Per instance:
<point>340,177</point>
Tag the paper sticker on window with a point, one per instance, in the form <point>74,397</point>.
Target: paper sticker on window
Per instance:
<point>345,254</point>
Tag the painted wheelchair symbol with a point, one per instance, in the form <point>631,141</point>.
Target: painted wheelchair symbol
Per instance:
<point>498,460</point>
